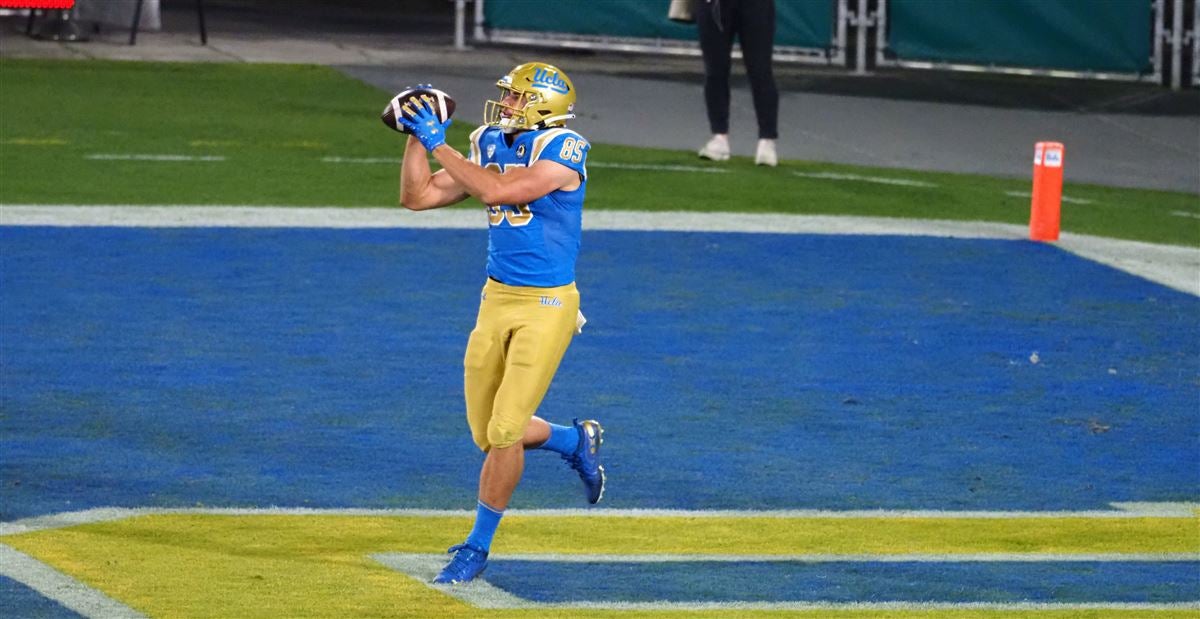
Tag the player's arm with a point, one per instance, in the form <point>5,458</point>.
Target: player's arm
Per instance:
<point>422,189</point>
<point>516,185</point>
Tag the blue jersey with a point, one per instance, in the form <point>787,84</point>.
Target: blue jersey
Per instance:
<point>534,244</point>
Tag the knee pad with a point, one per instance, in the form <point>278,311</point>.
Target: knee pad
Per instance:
<point>504,432</point>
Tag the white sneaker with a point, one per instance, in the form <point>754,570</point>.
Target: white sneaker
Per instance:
<point>766,154</point>
<point>717,148</point>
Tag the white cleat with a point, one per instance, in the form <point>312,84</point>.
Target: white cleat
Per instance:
<point>766,154</point>
<point>717,148</point>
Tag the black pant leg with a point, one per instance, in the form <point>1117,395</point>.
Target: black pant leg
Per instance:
<point>756,34</point>
<point>716,44</point>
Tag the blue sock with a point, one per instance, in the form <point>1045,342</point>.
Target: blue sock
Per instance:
<point>486,521</point>
<point>563,439</point>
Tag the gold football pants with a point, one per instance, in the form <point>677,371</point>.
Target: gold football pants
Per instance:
<point>513,352</point>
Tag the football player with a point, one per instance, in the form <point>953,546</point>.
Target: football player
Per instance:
<point>530,171</point>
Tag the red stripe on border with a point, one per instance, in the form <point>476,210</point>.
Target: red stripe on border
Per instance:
<point>36,4</point>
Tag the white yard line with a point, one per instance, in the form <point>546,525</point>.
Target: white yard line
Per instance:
<point>591,164</point>
<point>873,606</point>
<point>135,216</point>
<point>424,568</point>
<point>219,216</point>
<point>655,167</point>
<point>858,178</point>
<point>1170,265</point>
<point>1068,200</point>
<point>1186,214</point>
<point>1173,266</point>
<point>481,594</point>
<point>61,588</point>
<point>107,514</point>
<point>979,557</point>
<point>367,160</point>
<point>143,157</point>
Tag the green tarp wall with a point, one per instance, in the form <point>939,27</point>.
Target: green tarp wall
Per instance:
<point>1078,35</point>
<point>798,23</point>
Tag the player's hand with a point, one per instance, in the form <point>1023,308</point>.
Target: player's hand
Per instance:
<point>425,125</point>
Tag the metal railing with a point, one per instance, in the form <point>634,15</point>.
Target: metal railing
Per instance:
<point>882,60</point>
<point>1169,44</point>
<point>835,54</point>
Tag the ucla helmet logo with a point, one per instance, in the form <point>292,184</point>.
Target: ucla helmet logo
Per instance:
<point>547,79</point>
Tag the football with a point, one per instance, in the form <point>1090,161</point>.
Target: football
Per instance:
<point>402,104</point>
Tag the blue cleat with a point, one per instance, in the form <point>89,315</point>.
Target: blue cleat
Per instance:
<point>468,562</point>
<point>586,459</point>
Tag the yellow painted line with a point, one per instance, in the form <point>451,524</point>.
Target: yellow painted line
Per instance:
<point>319,565</point>
<point>857,536</point>
<point>152,157</point>
<point>35,141</point>
<point>208,143</point>
<point>306,144</point>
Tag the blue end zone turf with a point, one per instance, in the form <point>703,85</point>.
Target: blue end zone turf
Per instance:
<point>26,603</point>
<point>254,367</point>
<point>999,582</point>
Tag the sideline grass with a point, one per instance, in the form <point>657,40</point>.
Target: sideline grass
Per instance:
<point>273,124</point>
<point>319,565</point>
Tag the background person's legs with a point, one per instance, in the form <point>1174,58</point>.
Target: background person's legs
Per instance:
<point>716,42</point>
<point>756,34</point>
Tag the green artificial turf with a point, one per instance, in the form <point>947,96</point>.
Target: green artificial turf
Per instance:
<point>274,124</point>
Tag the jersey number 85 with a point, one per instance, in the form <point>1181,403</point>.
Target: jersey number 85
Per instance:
<point>572,150</point>
<point>496,214</point>
<point>520,217</point>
